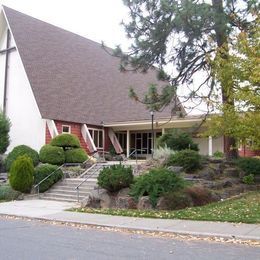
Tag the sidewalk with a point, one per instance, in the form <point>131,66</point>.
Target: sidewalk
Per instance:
<point>55,211</point>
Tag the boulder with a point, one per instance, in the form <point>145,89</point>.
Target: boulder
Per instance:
<point>144,203</point>
<point>162,204</point>
<point>215,160</point>
<point>125,202</point>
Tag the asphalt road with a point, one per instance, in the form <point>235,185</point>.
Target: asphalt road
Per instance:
<point>21,239</point>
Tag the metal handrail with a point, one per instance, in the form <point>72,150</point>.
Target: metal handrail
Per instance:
<point>43,180</point>
<point>47,177</point>
<point>135,152</point>
<point>77,188</point>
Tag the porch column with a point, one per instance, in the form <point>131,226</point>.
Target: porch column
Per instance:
<point>163,131</point>
<point>127,143</point>
<point>210,146</point>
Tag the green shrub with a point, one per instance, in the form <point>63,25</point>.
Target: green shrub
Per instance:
<point>52,155</point>
<point>199,195</point>
<point>156,183</point>
<point>7,193</point>
<point>42,171</point>
<point>77,155</point>
<point>4,132</point>
<point>249,165</point>
<point>249,179</point>
<point>115,177</point>
<point>177,200</point>
<point>19,151</point>
<point>66,141</point>
<point>21,174</point>
<point>190,160</point>
<point>218,154</point>
<point>177,141</point>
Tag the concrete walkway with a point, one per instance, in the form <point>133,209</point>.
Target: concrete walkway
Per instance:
<point>55,211</point>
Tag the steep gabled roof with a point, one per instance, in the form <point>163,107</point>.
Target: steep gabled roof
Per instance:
<point>73,78</point>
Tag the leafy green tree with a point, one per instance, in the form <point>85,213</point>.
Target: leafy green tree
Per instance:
<point>183,37</point>
<point>241,121</point>
<point>4,132</point>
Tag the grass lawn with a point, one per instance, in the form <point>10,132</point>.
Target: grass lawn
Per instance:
<point>245,209</point>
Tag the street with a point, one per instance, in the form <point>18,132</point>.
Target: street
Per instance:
<point>21,239</point>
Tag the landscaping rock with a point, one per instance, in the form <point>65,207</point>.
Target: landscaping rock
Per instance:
<point>162,204</point>
<point>233,172</point>
<point>215,160</point>
<point>126,202</point>
<point>107,200</point>
<point>144,203</point>
<point>93,200</point>
<point>176,169</point>
<point>208,174</point>
<point>227,184</point>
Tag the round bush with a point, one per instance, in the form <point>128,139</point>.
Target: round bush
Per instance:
<point>156,183</point>
<point>19,151</point>
<point>52,154</point>
<point>21,174</point>
<point>77,155</point>
<point>66,141</point>
<point>42,171</point>
<point>115,178</point>
<point>190,160</point>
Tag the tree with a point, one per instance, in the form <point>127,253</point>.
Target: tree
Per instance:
<point>4,132</point>
<point>186,34</point>
<point>241,121</point>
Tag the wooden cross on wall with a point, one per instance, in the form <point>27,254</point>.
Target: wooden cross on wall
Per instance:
<point>6,51</point>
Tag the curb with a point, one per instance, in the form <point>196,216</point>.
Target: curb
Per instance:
<point>159,231</point>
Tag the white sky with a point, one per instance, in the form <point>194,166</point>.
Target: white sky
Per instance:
<point>98,20</point>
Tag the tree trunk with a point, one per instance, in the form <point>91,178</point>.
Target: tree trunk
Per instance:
<point>230,149</point>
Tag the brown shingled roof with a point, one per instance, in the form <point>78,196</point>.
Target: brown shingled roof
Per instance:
<point>73,78</point>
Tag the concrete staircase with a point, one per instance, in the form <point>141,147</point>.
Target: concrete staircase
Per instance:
<point>65,190</point>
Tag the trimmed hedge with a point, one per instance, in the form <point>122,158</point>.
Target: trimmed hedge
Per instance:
<point>155,183</point>
<point>52,155</point>
<point>190,160</point>
<point>19,151</point>
<point>42,171</point>
<point>249,165</point>
<point>66,141</point>
<point>21,174</point>
<point>77,155</point>
<point>115,177</point>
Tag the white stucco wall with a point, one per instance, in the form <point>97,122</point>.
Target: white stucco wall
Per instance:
<point>2,57</point>
<point>217,145</point>
<point>27,125</point>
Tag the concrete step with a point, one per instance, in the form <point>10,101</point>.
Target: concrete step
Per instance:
<point>59,199</point>
<point>68,192</point>
<point>58,196</point>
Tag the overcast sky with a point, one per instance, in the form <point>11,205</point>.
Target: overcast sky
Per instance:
<point>98,20</point>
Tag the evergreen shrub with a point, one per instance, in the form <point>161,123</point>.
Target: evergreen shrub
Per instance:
<point>21,174</point>
<point>115,178</point>
<point>7,193</point>
<point>249,165</point>
<point>155,183</point>
<point>190,160</point>
<point>4,132</point>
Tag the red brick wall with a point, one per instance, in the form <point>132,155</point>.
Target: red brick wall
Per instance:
<point>246,152</point>
<point>76,130</point>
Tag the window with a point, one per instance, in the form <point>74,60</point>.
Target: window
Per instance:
<point>97,136</point>
<point>66,129</point>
